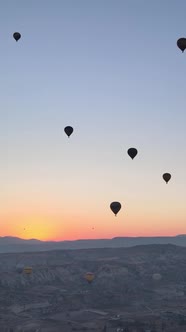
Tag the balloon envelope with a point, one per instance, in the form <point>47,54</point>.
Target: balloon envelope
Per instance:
<point>167,177</point>
<point>28,270</point>
<point>132,152</point>
<point>17,36</point>
<point>89,276</point>
<point>156,276</point>
<point>115,207</point>
<point>68,130</point>
<point>181,43</point>
<point>19,268</point>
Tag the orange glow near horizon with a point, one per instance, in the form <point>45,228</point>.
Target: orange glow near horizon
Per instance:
<point>53,229</point>
<point>46,216</point>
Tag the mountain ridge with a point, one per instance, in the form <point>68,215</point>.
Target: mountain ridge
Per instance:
<point>15,244</point>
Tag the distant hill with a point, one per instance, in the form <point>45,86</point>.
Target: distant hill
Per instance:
<point>14,244</point>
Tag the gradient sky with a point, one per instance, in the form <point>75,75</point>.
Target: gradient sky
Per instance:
<point>112,70</point>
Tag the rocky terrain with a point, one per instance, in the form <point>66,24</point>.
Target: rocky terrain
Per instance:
<point>126,293</point>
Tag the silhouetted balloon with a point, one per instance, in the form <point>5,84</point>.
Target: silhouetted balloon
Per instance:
<point>132,152</point>
<point>68,130</point>
<point>181,43</point>
<point>166,177</point>
<point>89,276</point>
<point>17,36</point>
<point>115,207</point>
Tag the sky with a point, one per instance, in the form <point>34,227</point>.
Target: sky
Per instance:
<point>111,69</point>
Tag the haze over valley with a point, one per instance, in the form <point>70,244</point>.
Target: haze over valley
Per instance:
<point>135,289</point>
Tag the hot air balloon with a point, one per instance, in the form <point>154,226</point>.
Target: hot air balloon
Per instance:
<point>19,268</point>
<point>89,276</point>
<point>132,152</point>
<point>28,270</point>
<point>115,207</point>
<point>156,276</point>
<point>181,43</point>
<point>17,36</point>
<point>68,130</point>
<point>166,177</point>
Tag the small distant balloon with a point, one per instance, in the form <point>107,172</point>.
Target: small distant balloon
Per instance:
<point>156,276</point>
<point>132,152</point>
<point>166,177</point>
<point>115,207</point>
<point>28,270</point>
<point>17,36</point>
<point>19,268</point>
<point>89,276</point>
<point>68,130</point>
<point>181,43</point>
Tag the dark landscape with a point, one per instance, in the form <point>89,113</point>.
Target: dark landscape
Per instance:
<point>126,294</point>
<point>14,244</point>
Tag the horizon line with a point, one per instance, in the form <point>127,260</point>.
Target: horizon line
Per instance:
<point>87,239</point>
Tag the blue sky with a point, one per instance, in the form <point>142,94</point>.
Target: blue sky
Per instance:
<point>112,70</point>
